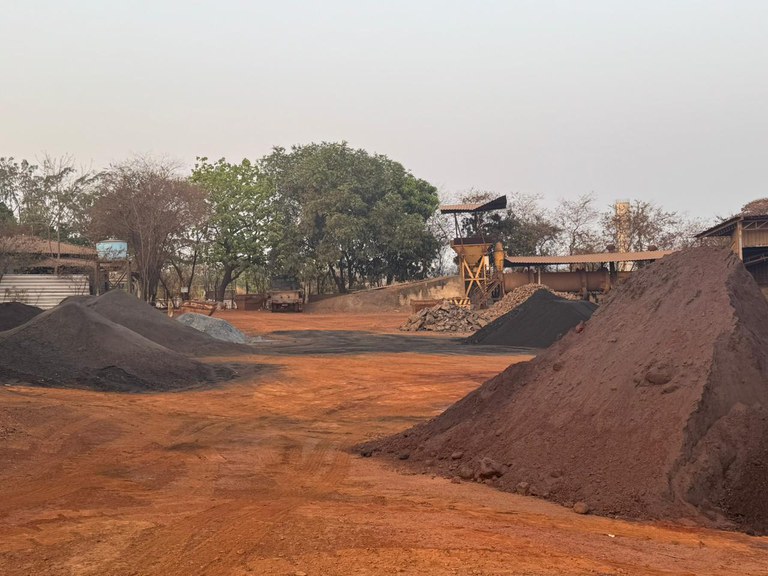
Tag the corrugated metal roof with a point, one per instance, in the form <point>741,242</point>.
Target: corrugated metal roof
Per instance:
<point>33,245</point>
<point>66,262</point>
<point>496,204</point>
<point>450,208</point>
<point>586,258</point>
<point>725,228</point>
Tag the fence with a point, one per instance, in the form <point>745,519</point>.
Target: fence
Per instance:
<point>41,290</point>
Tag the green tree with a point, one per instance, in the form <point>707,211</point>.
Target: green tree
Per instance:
<point>356,217</point>
<point>49,200</point>
<point>240,221</point>
<point>6,216</point>
<point>16,179</point>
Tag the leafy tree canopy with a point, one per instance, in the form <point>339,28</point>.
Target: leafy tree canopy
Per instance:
<point>240,225</point>
<point>362,218</point>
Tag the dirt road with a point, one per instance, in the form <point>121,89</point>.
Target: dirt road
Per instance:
<point>255,477</point>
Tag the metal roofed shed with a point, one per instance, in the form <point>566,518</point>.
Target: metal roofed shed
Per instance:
<point>499,203</point>
<point>747,236</point>
<point>29,254</point>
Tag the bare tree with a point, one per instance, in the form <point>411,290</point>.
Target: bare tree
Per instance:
<point>756,207</point>
<point>145,203</point>
<point>577,220</point>
<point>648,225</point>
<point>186,256</point>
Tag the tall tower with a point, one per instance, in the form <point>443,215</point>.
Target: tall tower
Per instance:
<point>623,226</point>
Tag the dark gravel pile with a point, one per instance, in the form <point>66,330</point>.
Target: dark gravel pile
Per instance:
<point>14,314</point>
<point>126,310</point>
<point>75,347</point>
<point>536,323</point>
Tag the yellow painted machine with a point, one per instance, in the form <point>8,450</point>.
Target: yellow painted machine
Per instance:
<point>482,277</point>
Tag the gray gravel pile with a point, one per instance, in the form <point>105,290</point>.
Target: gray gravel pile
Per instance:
<point>213,327</point>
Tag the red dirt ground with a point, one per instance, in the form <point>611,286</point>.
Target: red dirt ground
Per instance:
<point>254,477</point>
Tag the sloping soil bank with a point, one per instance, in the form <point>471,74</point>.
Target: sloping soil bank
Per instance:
<point>74,346</point>
<point>657,409</point>
<point>14,314</point>
<point>536,323</point>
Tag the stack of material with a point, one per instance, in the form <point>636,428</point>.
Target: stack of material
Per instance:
<point>214,327</point>
<point>14,314</point>
<point>445,317</point>
<point>513,299</point>
<point>658,408</point>
<point>74,346</point>
<point>448,317</point>
<point>126,310</point>
<point>536,323</point>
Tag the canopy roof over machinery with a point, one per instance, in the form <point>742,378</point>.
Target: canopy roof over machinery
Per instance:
<point>499,203</point>
<point>480,283</point>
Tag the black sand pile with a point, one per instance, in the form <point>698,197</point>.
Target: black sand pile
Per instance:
<point>657,409</point>
<point>73,346</point>
<point>536,323</point>
<point>126,310</point>
<point>14,314</point>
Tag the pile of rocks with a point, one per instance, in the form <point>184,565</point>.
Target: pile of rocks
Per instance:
<point>445,317</point>
<point>449,317</point>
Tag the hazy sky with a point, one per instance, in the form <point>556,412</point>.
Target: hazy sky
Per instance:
<point>657,100</point>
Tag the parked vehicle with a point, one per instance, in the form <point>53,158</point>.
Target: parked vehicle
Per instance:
<point>285,294</point>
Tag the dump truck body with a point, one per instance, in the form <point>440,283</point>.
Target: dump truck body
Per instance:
<point>285,295</point>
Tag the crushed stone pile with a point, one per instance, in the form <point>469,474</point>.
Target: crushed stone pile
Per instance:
<point>14,314</point>
<point>536,323</point>
<point>657,409</point>
<point>73,346</point>
<point>449,317</point>
<point>126,310</point>
<point>213,327</point>
<point>444,317</point>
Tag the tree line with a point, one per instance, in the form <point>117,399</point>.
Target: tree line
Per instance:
<point>334,217</point>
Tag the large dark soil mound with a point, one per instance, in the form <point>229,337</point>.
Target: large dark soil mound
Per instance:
<point>73,346</point>
<point>14,314</point>
<point>126,310</point>
<point>536,323</point>
<point>658,408</point>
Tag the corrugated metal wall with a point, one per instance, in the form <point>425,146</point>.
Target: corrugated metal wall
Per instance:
<point>42,290</point>
<point>755,238</point>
